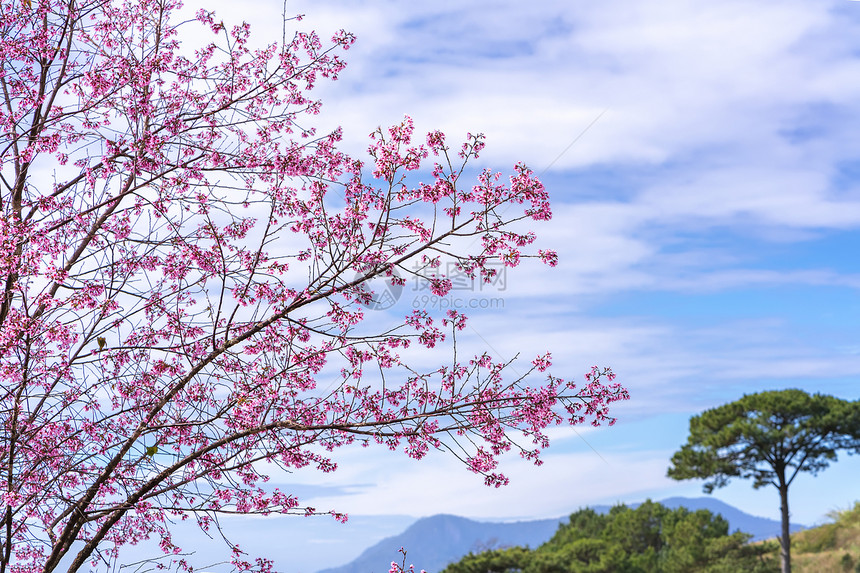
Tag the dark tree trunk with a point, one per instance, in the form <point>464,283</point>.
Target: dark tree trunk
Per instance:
<point>785,538</point>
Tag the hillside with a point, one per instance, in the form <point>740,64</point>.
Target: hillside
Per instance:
<point>830,548</point>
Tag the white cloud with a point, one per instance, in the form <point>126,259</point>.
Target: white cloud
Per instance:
<point>734,119</point>
<point>439,484</point>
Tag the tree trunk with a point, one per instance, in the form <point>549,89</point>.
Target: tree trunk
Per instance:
<point>785,539</point>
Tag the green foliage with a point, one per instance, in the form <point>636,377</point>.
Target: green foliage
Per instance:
<point>846,517</point>
<point>584,524</point>
<point>509,560</point>
<point>816,540</point>
<point>757,435</point>
<point>649,539</point>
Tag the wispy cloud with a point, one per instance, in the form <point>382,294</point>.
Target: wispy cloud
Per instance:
<point>707,224</point>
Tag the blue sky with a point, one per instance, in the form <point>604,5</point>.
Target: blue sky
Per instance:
<point>707,223</point>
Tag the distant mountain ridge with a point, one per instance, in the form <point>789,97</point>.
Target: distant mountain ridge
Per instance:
<point>434,542</point>
<point>760,527</point>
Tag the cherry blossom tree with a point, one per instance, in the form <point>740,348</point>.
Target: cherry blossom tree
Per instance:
<point>185,268</point>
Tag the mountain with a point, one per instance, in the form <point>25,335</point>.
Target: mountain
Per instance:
<point>760,527</point>
<point>434,542</point>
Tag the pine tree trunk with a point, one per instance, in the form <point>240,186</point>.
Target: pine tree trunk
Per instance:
<point>785,539</point>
